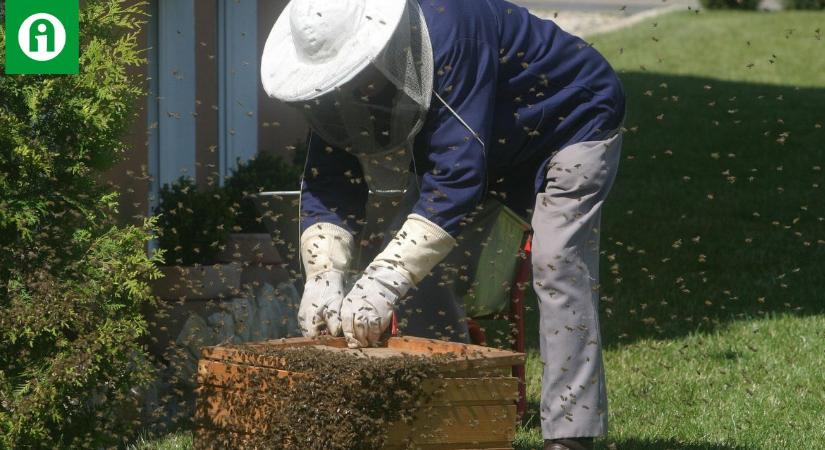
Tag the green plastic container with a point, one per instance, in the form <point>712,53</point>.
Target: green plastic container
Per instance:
<point>491,246</point>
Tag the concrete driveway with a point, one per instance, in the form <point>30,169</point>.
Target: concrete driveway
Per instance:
<point>588,17</point>
<point>623,7</point>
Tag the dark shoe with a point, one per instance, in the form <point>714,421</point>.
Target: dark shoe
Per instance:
<point>569,444</point>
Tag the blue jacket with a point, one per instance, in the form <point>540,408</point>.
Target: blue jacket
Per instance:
<point>523,84</point>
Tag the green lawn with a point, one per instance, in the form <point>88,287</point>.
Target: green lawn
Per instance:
<point>178,441</point>
<point>713,239</point>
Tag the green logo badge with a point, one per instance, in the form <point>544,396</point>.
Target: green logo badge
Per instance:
<point>42,37</point>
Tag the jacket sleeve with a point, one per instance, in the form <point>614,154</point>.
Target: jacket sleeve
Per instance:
<point>333,189</point>
<point>466,75</point>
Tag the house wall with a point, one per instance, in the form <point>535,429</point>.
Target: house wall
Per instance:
<point>131,175</point>
<point>206,91</point>
<point>279,127</point>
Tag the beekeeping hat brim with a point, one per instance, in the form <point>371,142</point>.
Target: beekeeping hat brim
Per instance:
<point>318,45</point>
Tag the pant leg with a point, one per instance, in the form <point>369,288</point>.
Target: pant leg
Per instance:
<point>565,259</point>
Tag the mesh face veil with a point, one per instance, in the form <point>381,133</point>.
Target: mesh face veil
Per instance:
<point>377,114</point>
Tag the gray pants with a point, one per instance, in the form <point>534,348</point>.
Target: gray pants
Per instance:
<point>566,221</point>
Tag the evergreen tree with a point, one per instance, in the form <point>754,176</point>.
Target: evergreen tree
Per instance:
<point>72,281</point>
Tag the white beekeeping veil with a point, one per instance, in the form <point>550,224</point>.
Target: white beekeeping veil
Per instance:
<point>362,73</point>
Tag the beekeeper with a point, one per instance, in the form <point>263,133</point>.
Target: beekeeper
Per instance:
<point>468,97</point>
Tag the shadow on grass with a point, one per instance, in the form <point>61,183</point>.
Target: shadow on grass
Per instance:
<point>717,213</point>
<point>661,444</point>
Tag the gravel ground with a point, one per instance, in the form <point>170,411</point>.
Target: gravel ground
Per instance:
<point>582,23</point>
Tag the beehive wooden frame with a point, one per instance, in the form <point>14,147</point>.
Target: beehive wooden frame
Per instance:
<point>473,406</point>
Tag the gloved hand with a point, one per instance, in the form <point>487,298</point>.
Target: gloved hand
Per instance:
<point>326,251</point>
<point>367,309</point>
<point>320,308</point>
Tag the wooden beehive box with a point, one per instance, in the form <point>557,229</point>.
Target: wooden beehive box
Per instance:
<point>474,405</point>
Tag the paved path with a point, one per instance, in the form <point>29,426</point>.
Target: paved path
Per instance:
<point>620,7</point>
<point>588,17</point>
<point>625,7</point>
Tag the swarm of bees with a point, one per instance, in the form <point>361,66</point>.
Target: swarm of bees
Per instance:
<point>334,400</point>
<point>349,398</point>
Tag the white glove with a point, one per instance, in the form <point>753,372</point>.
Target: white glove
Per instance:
<point>320,308</point>
<point>326,250</point>
<point>367,310</point>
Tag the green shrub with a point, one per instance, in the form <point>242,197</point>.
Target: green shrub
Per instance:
<point>194,222</point>
<point>267,172</point>
<point>731,4</point>
<point>70,352</point>
<point>804,4</point>
<point>71,281</point>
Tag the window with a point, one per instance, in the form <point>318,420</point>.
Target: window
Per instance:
<point>206,108</point>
